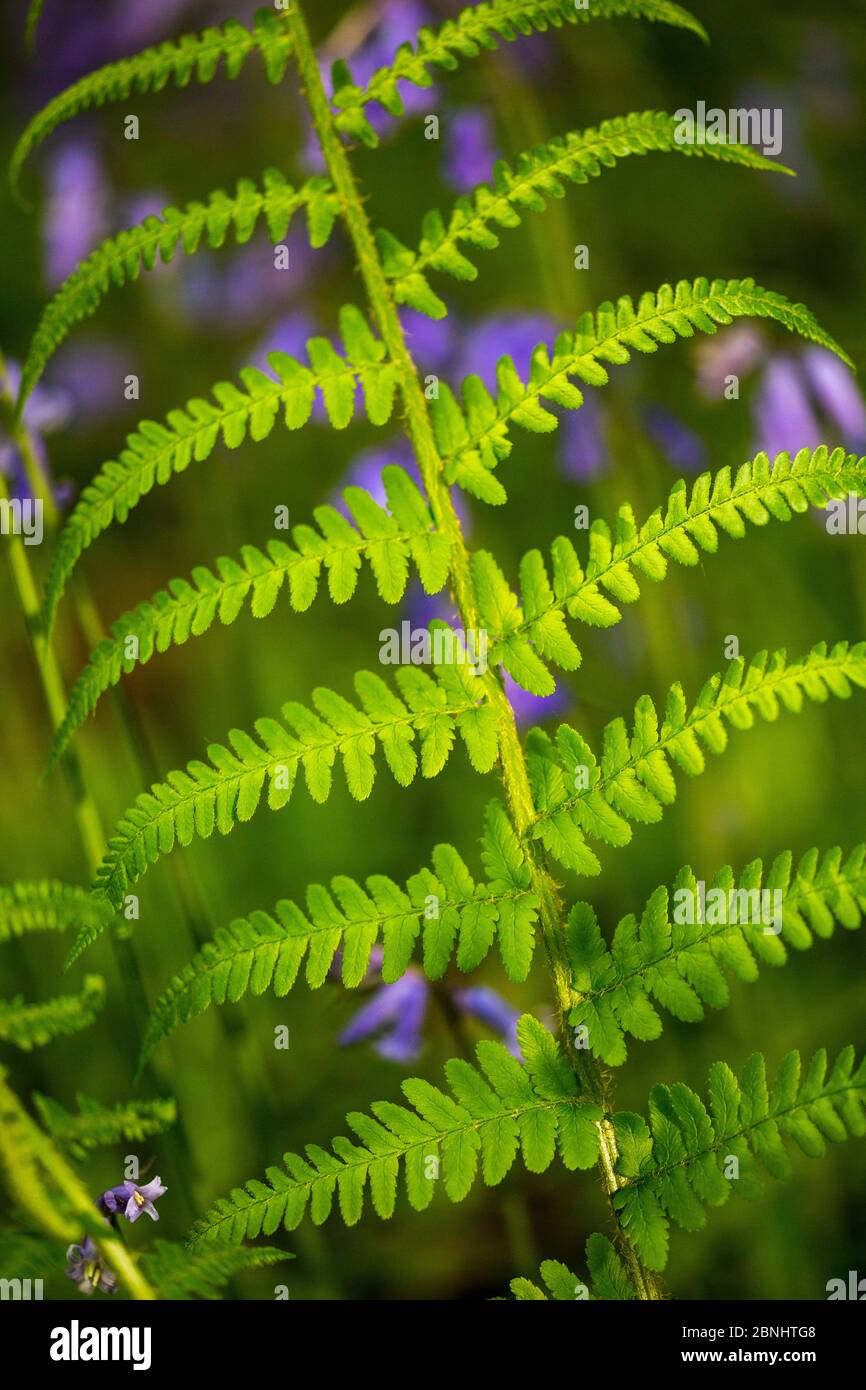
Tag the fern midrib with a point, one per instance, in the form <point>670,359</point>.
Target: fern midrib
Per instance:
<point>400,1151</point>
<point>222,418</point>
<point>534,389</point>
<point>521,182</point>
<point>847,1088</point>
<point>619,557</point>
<point>431,464</point>
<point>218,779</point>
<point>379,920</point>
<point>137,240</point>
<point>856,884</point>
<point>788,673</point>
<point>179,606</point>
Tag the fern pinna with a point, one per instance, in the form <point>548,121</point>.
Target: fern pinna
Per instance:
<point>560,801</point>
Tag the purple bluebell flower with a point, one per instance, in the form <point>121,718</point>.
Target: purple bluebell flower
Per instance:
<point>784,416</point>
<point>837,394</point>
<point>396,1014</point>
<point>76,209</point>
<point>483,1003</point>
<point>470,149</point>
<point>735,351</point>
<point>582,447</point>
<point>682,448</point>
<point>533,709</point>
<point>88,1270</point>
<point>131,1199</point>
<point>509,334</point>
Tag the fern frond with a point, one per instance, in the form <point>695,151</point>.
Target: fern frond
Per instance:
<point>27,1256</point>
<point>194,57</point>
<point>121,259</point>
<point>387,540</point>
<point>475,28</point>
<point>495,1109</point>
<point>538,175</point>
<point>633,781</point>
<point>27,1025</point>
<point>443,906</point>
<point>679,953</point>
<point>227,790</point>
<point>607,1273</point>
<point>682,1161</point>
<point>528,633</point>
<point>177,1273</point>
<point>474,437</point>
<point>47,906</point>
<point>96,1125</point>
<point>155,452</point>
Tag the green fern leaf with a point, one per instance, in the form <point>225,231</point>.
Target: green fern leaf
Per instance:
<point>121,259</point>
<point>177,1273</point>
<point>194,57</point>
<point>387,540</point>
<point>529,631</point>
<point>27,1025</point>
<point>154,453</point>
<point>679,961</point>
<point>96,1125</point>
<point>580,797</point>
<point>493,1111</point>
<point>266,952</point>
<point>227,790</point>
<point>682,1162</point>
<point>538,176</point>
<point>475,28</point>
<point>474,437</point>
<point>47,906</point>
<point>607,1272</point>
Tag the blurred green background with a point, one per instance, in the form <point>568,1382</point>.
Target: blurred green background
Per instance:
<point>792,785</point>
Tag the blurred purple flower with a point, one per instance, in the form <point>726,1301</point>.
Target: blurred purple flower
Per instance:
<point>470,149</point>
<point>507,334</point>
<point>395,1013</point>
<point>533,709</point>
<point>682,448</point>
<point>582,449</point>
<point>88,1270</point>
<point>394,1016</point>
<point>490,1008</point>
<point>431,341</point>
<point>837,394</point>
<point>733,352</point>
<point>784,417</point>
<point>76,209</point>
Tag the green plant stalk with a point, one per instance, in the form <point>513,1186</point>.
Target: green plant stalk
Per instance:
<point>420,430</point>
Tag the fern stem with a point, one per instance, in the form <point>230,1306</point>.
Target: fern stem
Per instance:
<point>420,430</point>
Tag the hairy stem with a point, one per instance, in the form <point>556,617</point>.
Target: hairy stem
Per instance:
<point>420,430</point>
